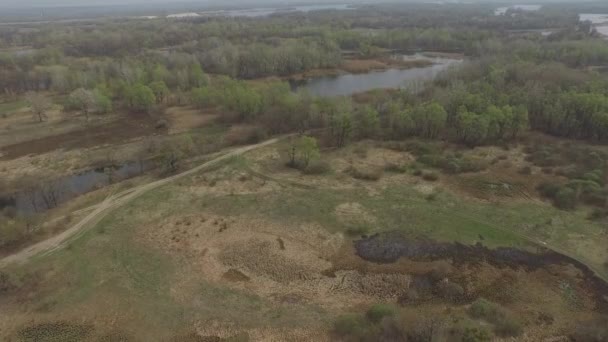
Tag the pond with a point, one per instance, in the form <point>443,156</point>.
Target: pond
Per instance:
<point>47,195</point>
<point>349,84</point>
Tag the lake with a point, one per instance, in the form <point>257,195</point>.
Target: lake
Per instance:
<point>599,21</point>
<point>349,84</point>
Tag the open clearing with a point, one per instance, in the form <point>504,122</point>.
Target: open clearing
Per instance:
<point>251,248</point>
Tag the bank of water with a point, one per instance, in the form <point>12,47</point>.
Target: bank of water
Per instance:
<point>349,84</point>
<point>49,194</point>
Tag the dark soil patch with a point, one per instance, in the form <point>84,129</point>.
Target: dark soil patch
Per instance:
<point>56,331</point>
<point>235,275</point>
<point>389,247</point>
<point>110,133</point>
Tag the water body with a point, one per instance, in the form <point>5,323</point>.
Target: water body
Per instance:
<point>263,12</point>
<point>53,193</point>
<point>599,22</point>
<point>349,84</point>
<point>529,8</point>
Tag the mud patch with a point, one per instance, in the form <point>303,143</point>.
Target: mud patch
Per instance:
<point>114,132</point>
<point>390,247</point>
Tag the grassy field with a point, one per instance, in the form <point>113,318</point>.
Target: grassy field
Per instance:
<point>129,276</point>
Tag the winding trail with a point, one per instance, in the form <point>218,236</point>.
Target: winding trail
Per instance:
<point>111,203</point>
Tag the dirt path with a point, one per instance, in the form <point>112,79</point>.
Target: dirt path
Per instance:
<point>111,203</point>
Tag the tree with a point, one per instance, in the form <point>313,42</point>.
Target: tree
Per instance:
<point>308,150</point>
<point>140,98</point>
<point>83,100</point>
<point>160,90</point>
<point>430,119</point>
<point>39,105</point>
<point>197,77</point>
<point>367,122</point>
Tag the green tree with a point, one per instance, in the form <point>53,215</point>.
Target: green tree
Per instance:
<point>430,119</point>
<point>140,98</point>
<point>160,90</point>
<point>308,150</point>
<point>367,122</point>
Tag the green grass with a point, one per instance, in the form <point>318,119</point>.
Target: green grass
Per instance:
<point>109,260</point>
<point>7,107</point>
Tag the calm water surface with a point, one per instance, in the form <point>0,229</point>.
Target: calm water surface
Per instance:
<point>350,84</point>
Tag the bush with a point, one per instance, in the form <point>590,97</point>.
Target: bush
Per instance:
<point>368,174</point>
<point>317,167</point>
<point>476,334</point>
<point>526,170</point>
<point>508,326</point>
<point>565,198</point>
<point>357,230</point>
<point>451,291</point>
<point>548,190</point>
<point>430,176</point>
<point>377,312</point>
<point>396,168</point>
<point>351,325</point>
<point>504,323</point>
<point>486,310</point>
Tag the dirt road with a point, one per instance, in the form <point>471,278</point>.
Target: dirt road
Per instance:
<point>110,204</point>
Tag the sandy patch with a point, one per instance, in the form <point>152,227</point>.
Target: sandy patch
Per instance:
<point>281,262</point>
<point>353,214</point>
<point>184,119</point>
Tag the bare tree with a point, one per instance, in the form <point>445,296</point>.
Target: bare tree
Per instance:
<point>39,105</point>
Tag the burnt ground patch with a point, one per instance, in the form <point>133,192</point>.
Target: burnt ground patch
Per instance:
<point>389,247</point>
<point>113,132</point>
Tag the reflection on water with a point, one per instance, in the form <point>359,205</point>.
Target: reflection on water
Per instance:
<point>392,78</point>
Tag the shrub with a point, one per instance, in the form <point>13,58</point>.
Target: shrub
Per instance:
<point>451,291</point>
<point>505,324</point>
<point>357,230</point>
<point>526,170</point>
<point>417,172</point>
<point>430,176</point>
<point>396,168</point>
<point>486,310</point>
<point>508,326</point>
<point>565,198</point>
<point>377,312</point>
<point>368,174</point>
<point>548,190</point>
<point>317,167</point>
<point>476,335</point>
<point>351,324</point>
